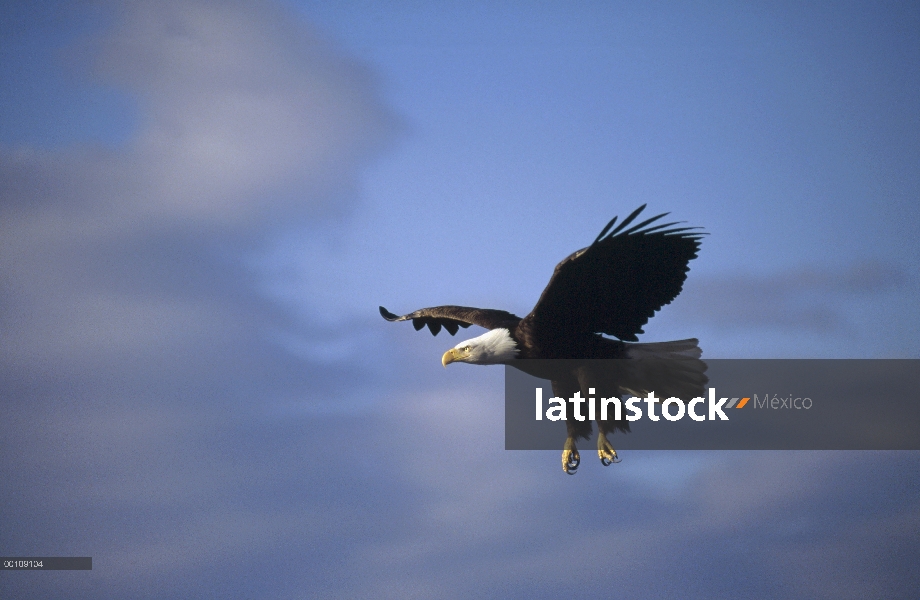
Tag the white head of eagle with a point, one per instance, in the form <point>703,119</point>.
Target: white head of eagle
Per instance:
<point>494,347</point>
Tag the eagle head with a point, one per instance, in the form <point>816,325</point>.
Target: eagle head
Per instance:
<point>494,347</point>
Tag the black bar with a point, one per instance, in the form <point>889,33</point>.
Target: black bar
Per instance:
<point>46,563</point>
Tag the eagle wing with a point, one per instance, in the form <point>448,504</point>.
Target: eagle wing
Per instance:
<point>452,318</point>
<point>618,282</point>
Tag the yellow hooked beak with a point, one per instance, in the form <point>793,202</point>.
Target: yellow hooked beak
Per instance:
<point>450,356</point>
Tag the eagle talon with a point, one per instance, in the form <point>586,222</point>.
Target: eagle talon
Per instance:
<point>606,452</point>
<point>570,465</point>
<point>570,457</point>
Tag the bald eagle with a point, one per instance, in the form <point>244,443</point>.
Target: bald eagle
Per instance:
<point>610,288</point>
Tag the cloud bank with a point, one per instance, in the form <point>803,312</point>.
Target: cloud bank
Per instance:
<point>136,348</point>
<point>250,119</point>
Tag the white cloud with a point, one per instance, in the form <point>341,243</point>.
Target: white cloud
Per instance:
<point>246,108</point>
<point>249,119</point>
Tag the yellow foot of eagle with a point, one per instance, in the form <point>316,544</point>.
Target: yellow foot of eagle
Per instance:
<point>570,457</point>
<point>605,451</point>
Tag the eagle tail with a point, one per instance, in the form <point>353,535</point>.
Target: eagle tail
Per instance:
<point>670,369</point>
<point>678,349</point>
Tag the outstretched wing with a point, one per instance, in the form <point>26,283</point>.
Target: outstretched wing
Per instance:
<point>617,283</point>
<point>452,318</point>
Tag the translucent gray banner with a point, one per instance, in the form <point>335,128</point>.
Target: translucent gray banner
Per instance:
<point>740,404</point>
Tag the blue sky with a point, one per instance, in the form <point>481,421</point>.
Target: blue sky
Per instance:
<point>203,203</point>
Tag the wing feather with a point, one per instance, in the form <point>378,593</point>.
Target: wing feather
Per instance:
<point>452,318</point>
<point>630,219</point>
<point>617,283</point>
